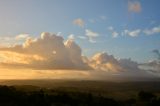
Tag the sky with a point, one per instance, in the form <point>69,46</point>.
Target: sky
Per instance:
<point>112,35</point>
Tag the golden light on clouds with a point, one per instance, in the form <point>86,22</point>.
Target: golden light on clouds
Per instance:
<point>42,74</point>
<point>51,57</point>
<point>13,57</point>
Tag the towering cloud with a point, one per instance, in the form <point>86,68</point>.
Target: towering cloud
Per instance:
<point>46,52</point>
<point>51,52</point>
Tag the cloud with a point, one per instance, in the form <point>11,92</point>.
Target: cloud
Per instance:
<point>51,52</point>
<point>7,41</point>
<point>75,54</point>
<point>82,37</point>
<point>47,52</point>
<point>113,32</point>
<point>134,6</point>
<point>128,65</point>
<point>154,30</point>
<point>79,22</point>
<point>91,35</point>
<point>104,62</point>
<point>71,36</point>
<point>152,67</point>
<point>133,33</point>
<point>22,36</point>
<point>6,38</point>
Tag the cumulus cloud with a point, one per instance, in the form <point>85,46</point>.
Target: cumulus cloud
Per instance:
<point>133,33</point>
<point>154,30</point>
<point>47,52</point>
<point>51,52</point>
<point>91,35</point>
<point>134,6</point>
<point>105,62</point>
<point>121,67</point>
<point>79,22</point>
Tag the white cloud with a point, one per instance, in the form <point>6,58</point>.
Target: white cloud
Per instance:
<point>133,33</point>
<point>134,6</point>
<point>152,31</point>
<point>115,34</point>
<point>7,41</point>
<point>79,22</point>
<point>91,35</point>
<point>22,36</point>
<point>71,36</point>
<point>82,37</point>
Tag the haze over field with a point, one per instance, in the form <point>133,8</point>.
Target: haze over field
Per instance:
<point>73,39</point>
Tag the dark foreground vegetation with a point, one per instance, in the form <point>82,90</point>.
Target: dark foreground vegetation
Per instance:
<point>16,96</point>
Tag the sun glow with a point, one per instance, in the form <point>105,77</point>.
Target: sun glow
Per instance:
<point>41,74</point>
<point>12,57</point>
